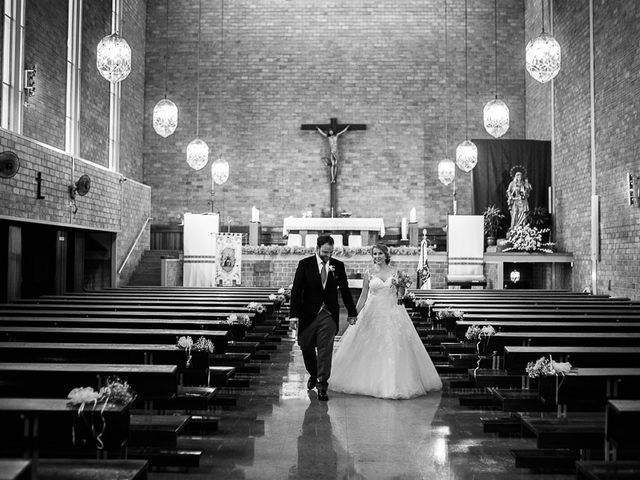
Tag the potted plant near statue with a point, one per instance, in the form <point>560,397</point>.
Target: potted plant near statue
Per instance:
<point>492,223</point>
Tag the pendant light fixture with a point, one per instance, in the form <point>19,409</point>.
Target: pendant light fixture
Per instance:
<point>543,55</point>
<point>113,54</point>
<point>496,112</point>
<point>446,166</point>
<point>466,152</point>
<point>198,150</point>
<point>165,113</point>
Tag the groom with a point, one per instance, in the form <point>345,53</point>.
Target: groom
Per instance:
<point>315,310</point>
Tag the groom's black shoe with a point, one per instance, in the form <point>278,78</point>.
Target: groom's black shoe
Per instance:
<point>311,383</point>
<point>322,395</point>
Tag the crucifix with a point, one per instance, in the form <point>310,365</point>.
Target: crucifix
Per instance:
<point>331,132</point>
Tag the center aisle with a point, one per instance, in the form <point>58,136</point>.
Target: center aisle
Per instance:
<point>279,431</point>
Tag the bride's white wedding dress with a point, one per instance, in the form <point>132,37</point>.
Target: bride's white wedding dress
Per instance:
<point>382,354</point>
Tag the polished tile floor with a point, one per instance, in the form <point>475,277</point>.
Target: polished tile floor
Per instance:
<point>278,430</point>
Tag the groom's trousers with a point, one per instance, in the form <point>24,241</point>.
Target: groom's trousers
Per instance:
<point>318,335</point>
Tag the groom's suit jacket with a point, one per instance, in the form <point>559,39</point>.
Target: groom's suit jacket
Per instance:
<point>308,296</point>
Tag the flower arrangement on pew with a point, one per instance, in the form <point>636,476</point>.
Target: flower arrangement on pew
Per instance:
<point>115,392</point>
<point>425,306</point>
<point>286,291</point>
<point>278,300</point>
<point>201,345</point>
<point>256,307</point>
<point>481,336</point>
<point>239,323</point>
<point>409,299</point>
<point>449,313</point>
<point>545,367</point>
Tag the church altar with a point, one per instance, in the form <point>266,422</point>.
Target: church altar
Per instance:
<point>304,225</point>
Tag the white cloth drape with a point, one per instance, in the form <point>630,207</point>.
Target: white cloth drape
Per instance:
<point>200,249</point>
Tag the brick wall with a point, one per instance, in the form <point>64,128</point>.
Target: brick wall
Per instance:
<point>46,28</point>
<point>616,33</point>
<point>109,206</point>
<point>286,63</point>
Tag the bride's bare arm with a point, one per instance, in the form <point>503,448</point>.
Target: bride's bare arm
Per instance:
<point>363,294</point>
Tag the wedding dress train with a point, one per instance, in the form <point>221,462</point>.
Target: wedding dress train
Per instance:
<point>382,354</point>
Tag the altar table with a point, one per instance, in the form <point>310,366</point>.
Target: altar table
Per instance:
<point>364,225</point>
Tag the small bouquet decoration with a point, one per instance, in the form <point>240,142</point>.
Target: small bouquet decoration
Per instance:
<point>256,307</point>
<point>285,291</point>
<point>524,238</point>
<point>203,345</point>
<point>239,319</point>
<point>449,312</point>
<point>187,344</point>
<point>115,392</point>
<point>425,303</point>
<point>278,300</point>
<point>544,367</point>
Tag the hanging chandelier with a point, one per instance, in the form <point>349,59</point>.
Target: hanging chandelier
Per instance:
<point>197,154</point>
<point>113,58</point>
<point>446,171</point>
<point>543,56</point>
<point>219,171</point>
<point>165,117</point>
<point>466,152</point>
<point>466,156</point>
<point>165,113</point>
<point>198,150</point>
<point>496,118</point>
<point>495,113</point>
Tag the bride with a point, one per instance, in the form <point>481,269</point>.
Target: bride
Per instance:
<point>381,354</point>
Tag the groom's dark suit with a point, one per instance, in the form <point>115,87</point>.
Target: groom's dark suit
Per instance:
<point>318,312</point>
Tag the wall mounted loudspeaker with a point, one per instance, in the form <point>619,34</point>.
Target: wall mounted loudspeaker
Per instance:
<point>9,164</point>
<point>81,187</point>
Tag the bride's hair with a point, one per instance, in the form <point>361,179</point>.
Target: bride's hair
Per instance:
<point>384,249</point>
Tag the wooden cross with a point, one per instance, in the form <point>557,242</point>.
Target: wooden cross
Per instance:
<point>331,132</point>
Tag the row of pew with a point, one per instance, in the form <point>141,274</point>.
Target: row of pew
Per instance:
<point>586,421</point>
<point>52,344</point>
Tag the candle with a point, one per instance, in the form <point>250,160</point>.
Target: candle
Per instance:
<point>255,214</point>
<point>412,216</point>
<point>403,228</point>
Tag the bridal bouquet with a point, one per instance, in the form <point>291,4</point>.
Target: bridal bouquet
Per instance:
<point>402,282</point>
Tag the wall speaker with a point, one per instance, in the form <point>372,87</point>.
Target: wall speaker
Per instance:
<point>9,164</point>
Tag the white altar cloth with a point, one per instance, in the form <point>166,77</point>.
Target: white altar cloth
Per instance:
<point>333,224</point>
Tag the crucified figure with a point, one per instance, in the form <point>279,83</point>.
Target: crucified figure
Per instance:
<point>333,146</point>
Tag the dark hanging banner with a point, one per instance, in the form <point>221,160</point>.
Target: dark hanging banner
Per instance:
<point>491,176</point>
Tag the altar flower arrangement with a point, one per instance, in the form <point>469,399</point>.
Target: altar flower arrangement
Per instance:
<point>256,307</point>
<point>524,238</point>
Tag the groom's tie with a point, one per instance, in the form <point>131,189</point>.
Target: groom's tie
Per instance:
<point>323,274</point>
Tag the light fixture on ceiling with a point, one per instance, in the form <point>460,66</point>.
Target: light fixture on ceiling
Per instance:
<point>113,55</point>
<point>198,150</point>
<point>495,112</point>
<point>466,152</point>
<point>543,55</point>
<point>165,113</point>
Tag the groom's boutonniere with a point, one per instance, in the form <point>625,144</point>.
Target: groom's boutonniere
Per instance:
<point>332,269</point>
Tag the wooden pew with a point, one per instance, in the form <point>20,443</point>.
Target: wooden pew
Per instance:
<point>42,380</point>
<point>30,424</point>
<point>621,339</point>
<point>590,470</point>
<point>516,358</point>
<point>78,469</point>
<point>559,326</point>
<point>110,335</point>
<point>11,469</point>
<point>622,439</point>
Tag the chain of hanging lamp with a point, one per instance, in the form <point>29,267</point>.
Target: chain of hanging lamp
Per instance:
<point>495,112</point>
<point>446,167</point>
<point>165,113</point>
<point>466,152</point>
<point>543,56</point>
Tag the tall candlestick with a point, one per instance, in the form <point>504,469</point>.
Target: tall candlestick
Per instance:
<point>255,214</point>
<point>403,228</point>
<point>412,216</point>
